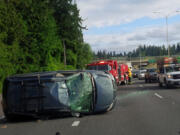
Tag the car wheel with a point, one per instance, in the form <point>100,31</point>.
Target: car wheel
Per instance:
<point>146,80</point>
<point>149,80</point>
<point>166,84</point>
<point>160,84</point>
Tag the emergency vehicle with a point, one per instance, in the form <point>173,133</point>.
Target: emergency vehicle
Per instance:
<point>168,71</point>
<point>111,66</point>
<point>118,70</point>
<point>123,73</point>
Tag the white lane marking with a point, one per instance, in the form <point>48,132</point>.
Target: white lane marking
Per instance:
<point>141,86</point>
<point>75,123</point>
<point>159,96</point>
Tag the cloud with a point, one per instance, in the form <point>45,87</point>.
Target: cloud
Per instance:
<point>106,13</point>
<point>101,13</point>
<point>127,42</point>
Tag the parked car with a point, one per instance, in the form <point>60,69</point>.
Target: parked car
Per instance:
<point>151,75</point>
<point>141,74</point>
<point>55,93</point>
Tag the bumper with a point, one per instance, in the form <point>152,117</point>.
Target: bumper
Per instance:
<point>141,76</point>
<point>174,82</point>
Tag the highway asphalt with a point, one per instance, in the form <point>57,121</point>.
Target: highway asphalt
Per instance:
<point>141,109</point>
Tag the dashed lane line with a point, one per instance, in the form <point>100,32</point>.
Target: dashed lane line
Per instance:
<point>157,95</point>
<point>75,123</point>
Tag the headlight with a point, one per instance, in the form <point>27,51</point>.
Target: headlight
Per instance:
<point>170,76</point>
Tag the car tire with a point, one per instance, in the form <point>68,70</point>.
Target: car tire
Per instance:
<point>160,84</point>
<point>146,80</point>
<point>167,85</point>
<point>150,81</point>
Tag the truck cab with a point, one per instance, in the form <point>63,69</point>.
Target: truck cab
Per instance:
<point>109,66</point>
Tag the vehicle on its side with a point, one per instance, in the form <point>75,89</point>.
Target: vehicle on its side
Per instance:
<point>151,75</point>
<point>57,93</point>
<point>141,74</point>
<point>135,73</point>
<point>110,66</point>
<point>168,72</point>
<point>123,73</point>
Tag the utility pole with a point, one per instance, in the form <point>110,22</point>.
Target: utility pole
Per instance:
<point>140,61</point>
<point>167,37</point>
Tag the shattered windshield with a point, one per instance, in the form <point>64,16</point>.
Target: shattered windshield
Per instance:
<point>80,92</point>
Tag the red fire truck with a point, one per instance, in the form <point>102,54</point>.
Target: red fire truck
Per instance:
<point>106,65</point>
<point>118,70</point>
<point>123,73</point>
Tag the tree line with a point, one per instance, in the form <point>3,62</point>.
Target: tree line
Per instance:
<point>34,34</point>
<point>141,50</point>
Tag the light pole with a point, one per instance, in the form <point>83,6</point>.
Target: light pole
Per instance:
<point>167,33</point>
<point>140,60</point>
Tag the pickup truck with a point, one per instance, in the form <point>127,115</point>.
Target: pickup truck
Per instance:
<point>169,74</point>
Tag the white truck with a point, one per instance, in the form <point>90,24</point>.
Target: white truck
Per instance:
<point>168,72</point>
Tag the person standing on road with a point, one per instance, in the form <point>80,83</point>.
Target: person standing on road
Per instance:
<point>129,74</point>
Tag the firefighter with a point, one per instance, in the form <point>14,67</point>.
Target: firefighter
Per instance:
<point>129,74</point>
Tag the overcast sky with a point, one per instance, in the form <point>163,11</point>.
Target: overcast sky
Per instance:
<point>122,25</point>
